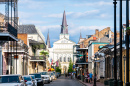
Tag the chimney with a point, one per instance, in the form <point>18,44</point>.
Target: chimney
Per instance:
<point>96,32</point>
<point>109,34</point>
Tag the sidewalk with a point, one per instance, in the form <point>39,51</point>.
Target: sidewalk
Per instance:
<point>88,84</point>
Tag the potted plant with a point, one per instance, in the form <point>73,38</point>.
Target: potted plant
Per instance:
<point>128,30</point>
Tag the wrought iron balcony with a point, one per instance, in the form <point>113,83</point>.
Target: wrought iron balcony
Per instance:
<point>38,58</point>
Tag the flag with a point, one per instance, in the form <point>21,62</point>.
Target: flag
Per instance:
<point>52,62</point>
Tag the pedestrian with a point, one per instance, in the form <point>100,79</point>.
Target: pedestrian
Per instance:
<point>72,75</point>
<point>90,76</point>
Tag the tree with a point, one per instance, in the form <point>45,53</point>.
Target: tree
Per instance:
<point>43,52</point>
<point>58,69</point>
<point>70,66</point>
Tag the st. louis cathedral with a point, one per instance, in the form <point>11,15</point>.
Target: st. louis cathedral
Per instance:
<point>62,49</point>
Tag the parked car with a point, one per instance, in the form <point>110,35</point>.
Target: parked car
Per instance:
<point>29,80</point>
<point>57,74</point>
<point>11,80</point>
<point>34,79</point>
<point>51,78</point>
<point>52,75</point>
<point>40,81</point>
<point>45,77</point>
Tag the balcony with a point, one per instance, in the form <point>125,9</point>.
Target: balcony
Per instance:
<point>38,58</point>
<point>82,61</point>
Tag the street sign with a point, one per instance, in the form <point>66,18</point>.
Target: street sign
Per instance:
<point>73,66</point>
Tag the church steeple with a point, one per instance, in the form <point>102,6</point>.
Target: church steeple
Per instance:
<point>80,35</point>
<point>64,26</point>
<point>48,40</point>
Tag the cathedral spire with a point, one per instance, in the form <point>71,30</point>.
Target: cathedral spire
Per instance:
<point>48,40</point>
<point>80,35</point>
<point>64,26</point>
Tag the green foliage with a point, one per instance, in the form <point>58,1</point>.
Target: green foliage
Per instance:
<point>58,69</point>
<point>128,28</point>
<point>40,57</point>
<point>70,66</point>
<point>44,53</point>
<point>59,65</point>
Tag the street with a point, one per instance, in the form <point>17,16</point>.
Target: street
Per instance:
<point>62,81</point>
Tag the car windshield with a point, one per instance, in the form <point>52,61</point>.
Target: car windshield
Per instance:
<point>36,75</point>
<point>27,78</point>
<point>44,73</point>
<point>10,79</point>
<point>51,73</point>
<point>33,77</point>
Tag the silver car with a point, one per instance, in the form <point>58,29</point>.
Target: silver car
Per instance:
<point>28,80</point>
<point>11,80</point>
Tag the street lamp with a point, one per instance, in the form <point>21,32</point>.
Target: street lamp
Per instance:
<point>124,57</point>
<point>95,58</point>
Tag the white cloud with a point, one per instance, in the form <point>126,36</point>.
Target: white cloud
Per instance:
<point>85,29</point>
<point>74,14</point>
<point>23,21</point>
<point>101,3</point>
<point>32,4</point>
<point>52,27</point>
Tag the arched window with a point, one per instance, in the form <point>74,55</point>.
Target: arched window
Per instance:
<point>68,59</point>
<point>64,59</point>
<point>60,59</point>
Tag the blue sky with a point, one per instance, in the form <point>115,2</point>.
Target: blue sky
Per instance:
<point>84,15</point>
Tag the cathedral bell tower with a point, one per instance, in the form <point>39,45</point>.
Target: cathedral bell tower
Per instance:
<point>64,28</point>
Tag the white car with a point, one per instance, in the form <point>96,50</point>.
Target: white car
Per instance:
<point>11,80</point>
<point>51,77</point>
<point>45,77</point>
<point>28,80</point>
<point>33,79</point>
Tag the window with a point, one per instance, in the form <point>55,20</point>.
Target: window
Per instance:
<point>60,59</point>
<point>68,59</point>
<point>64,59</point>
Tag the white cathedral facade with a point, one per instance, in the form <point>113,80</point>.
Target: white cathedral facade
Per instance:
<point>62,49</point>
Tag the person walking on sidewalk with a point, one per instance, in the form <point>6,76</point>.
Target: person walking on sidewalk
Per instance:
<point>90,76</point>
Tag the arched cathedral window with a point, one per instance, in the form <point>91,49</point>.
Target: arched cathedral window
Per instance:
<point>60,59</point>
<point>64,59</point>
<point>68,59</point>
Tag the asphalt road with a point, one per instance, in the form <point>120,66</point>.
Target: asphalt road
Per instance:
<point>62,81</point>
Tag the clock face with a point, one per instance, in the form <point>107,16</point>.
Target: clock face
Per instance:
<point>64,41</point>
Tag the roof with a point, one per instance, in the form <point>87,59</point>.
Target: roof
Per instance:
<point>64,38</point>
<point>27,29</point>
<point>64,26</point>
<point>48,40</point>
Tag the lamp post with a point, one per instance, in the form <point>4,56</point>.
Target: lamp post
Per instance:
<point>115,64</point>
<point>95,58</point>
<point>127,43</point>
<point>124,57</point>
<point>120,82</point>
